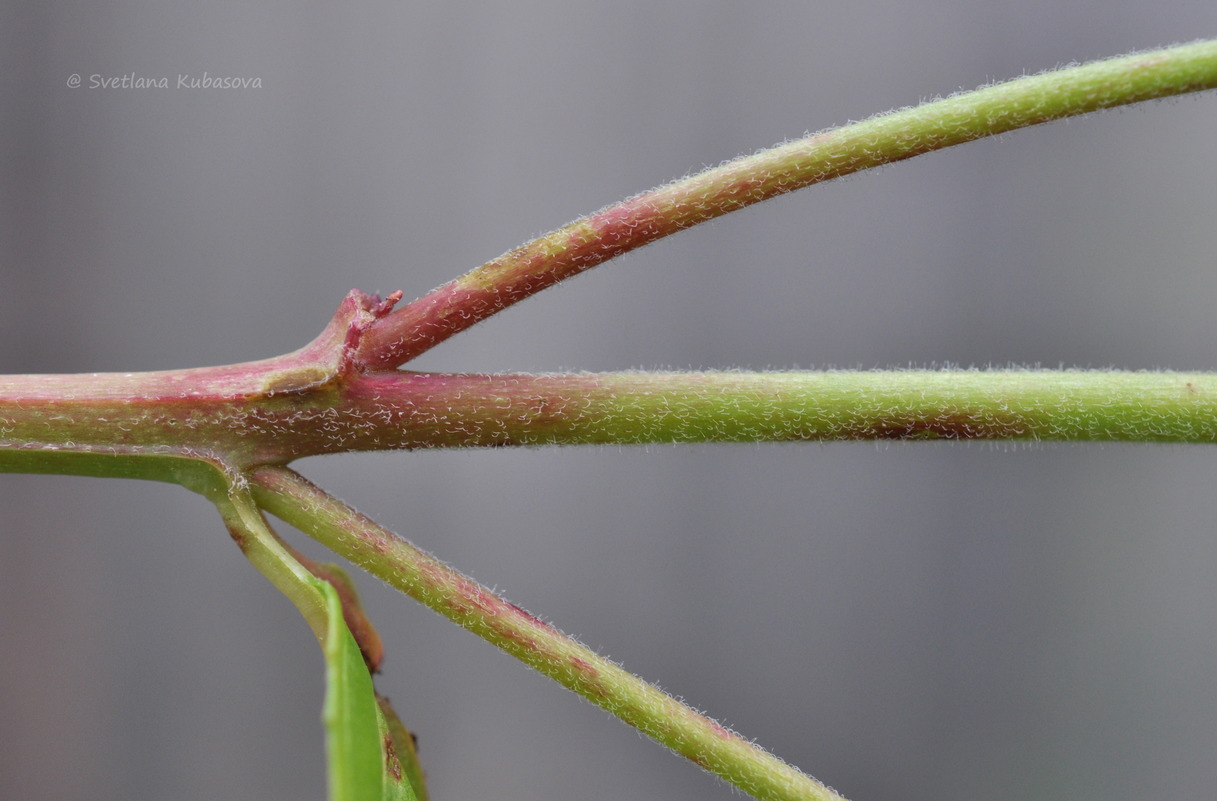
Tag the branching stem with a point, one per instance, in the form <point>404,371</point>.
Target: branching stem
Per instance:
<point>228,432</point>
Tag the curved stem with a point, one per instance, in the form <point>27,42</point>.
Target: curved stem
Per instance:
<point>361,766</point>
<point>274,559</point>
<point>642,219</point>
<point>294,499</point>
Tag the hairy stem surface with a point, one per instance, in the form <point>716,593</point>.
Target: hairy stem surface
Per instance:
<point>642,219</point>
<point>109,434</point>
<point>715,748</point>
<point>415,410</point>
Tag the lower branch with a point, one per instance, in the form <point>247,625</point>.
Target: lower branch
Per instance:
<point>292,498</point>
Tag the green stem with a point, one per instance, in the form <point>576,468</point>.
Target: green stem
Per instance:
<point>403,410</point>
<point>539,645</point>
<point>414,410</point>
<point>642,219</point>
<point>274,559</point>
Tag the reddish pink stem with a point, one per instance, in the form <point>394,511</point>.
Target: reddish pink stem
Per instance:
<point>661,212</point>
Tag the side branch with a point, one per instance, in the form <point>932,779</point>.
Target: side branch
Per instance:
<point>292,498</point>
<point>643,219</point>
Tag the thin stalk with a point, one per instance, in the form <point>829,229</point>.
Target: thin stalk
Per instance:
<point>884,139</point>
<point>715,748</point>
<point>273,558</point>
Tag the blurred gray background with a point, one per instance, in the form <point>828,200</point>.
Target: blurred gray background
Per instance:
<point>905,622</point>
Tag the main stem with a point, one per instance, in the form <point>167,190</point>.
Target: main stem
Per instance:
<point>103,418</point>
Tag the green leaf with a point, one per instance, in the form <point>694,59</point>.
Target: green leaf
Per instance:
<point>363,762</point>
<point>406,748</point>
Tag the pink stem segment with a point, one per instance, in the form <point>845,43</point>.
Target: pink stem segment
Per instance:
<point>642,219</point>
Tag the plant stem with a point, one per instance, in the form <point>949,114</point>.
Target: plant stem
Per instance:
<point>274,559</point>
<point>113,435</point>
<point>642,219</point>
<point>292,498</point>
<point>414,410</point>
